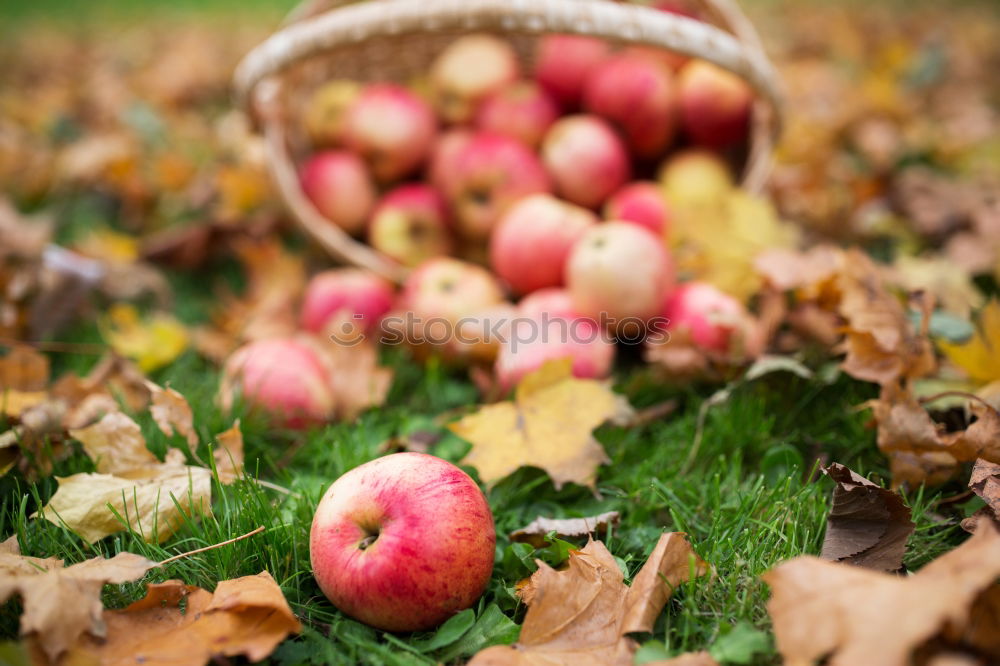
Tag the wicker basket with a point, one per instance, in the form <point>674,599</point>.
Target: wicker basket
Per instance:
<point>397,39</point>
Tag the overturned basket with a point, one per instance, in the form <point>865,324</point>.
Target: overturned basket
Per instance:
<point>397,39</point>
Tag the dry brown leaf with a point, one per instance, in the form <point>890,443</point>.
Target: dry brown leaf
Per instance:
<point>868,526</point>
<point>583,615</point>
<point>24,369</point>
<point>985,482</point>
<point>172,413</point>
<point>549,425</point>
<point>807,271</point>
<point>115,444</point>
<point>228,453</point>
<point>535,531</point>
<point>356,379</point>
<point>848,616</point>
<point>882,345</point>
<point>246,616</point>
<point>60,603</point>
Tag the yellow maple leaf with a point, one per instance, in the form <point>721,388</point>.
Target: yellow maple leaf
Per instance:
<point>152,342</point>
<point>549,425</point>
<point>980,355</point>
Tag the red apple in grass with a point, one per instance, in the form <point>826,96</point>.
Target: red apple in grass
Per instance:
<point>533,239</point>
<point>403,542</point>
<point>563,63</point>
<point>710,316</point>
<point>532,342</point>
<point>554,302</point>
<point>352,294</point>
<point>450,288</point>
<point>637,95</point>
<point>324,118</point>
<point>467,71</point>
<point>586,159</point>
<point>410,225</point>
<point>521,110</point>
<point>339,185</point>
<point>621,272</point>
<point>491,172</point>
<point>391,128</point>
<point>715,105</point>
<point>284,377</point>
<point>642,203</point>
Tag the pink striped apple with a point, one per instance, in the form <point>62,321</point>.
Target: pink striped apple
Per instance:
<point>410,225</point>
<point>467,71</point>
<point>339,185</point>
<point>521,110</point>
<point>586,159</point>
<point>351,294</point>
<point>715,105</point>
<point>643,203</point>
<point>563,63</point>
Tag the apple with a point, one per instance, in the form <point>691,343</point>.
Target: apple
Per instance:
<point>563,63</point>
<point>521,110</point>
<point>403,542</point>
<point>391,128</point>
<point>324,117</point>
<point>643,203</point>
<point>450,289</point>
<point>532,342</point>
<point>553,301</point>
<point>715,105</point>
<point>709,315</point>
<point>282,376</point>
<point>586,159</point>
<point>410,225</point>
<point>619,272</point>
<point>443,166</point>
<point>338,184</point>
<point>533,239</point>
<point>491,172</point>
<point>467,71</point>
<point>637,94</point>
<point>697,176</point>
<point>353,293</point>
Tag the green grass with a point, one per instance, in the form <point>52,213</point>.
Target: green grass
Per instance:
<point>747,503</point>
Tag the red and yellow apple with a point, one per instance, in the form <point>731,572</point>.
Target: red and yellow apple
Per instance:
<point>521,110</point>
<point>696,177</point>
<point>403,542</point>
<point>410,225</point>
<point>467,71</point>
<point>586,159</point>
<point>534,341</point>
<point>339,185</point>
<point>563,63</point>
<point>709,315</point>
<point>324,117</point>
<point>531,242</point>
<point>643,203</point>
<point>715,105</point>
<point>450,288</point>
<point>350,294</point>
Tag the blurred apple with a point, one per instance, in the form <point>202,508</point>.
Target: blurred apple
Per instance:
<point>521,110</point>
<point>563,63</point>
<point>351,294</point>
<point>709,315</point>
<point>619,271</point>
<point>338,184</point>
<point>695,176</point>
<point>491,172</point>
<point>715,105</point>
<point>443,166</point>
<point>391,128</point>
<point>586,159</point>
<point>467,71</point>
<point>532,342</point>
<point>403,542</point>
<point>553,301</point>
<point>450,288</point>
<point>637,95</point>
<point>533,239</point>
<point>410,225</point>
<point>324,118</point>
<point>643,203</point>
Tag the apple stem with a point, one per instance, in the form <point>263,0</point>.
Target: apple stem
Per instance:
<point>367,541</point>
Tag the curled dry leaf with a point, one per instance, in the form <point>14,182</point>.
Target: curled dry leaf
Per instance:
<point>228,453</point>
<point>985,482</point>
<point>184,625</point>
<point>583,615</point>
<point>549,425</point>
<point>535,531</point>
<point>847,615</point>
<point>151,497</point>
<point>60,604</point>
<point>172,413</point>
<point>868,525</point>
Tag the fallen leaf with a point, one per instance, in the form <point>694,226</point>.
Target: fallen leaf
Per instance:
<point>808,272</point>
<point>536,531</point>
<point>549,425</point>
<point>24,369</point>
<point>847,615</point>
<point>228,453</point>
<point>61,603</point>
<point>868,526</point>
<point>152,342</point>
<point>356,379</point>
<point>985,482</point>
<point>882,345</point>
<point>980,355</point>
<point>184,625</point>
<point>583,614</point>
<point>172,413</point>
<point>115,444</point>
<point>953,289</point>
